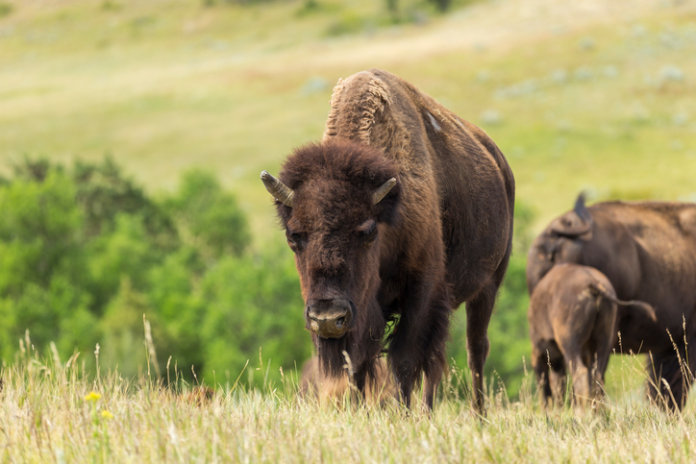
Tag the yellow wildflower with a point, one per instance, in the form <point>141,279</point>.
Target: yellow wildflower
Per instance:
<point>106,414</point>
<point>92,396</point>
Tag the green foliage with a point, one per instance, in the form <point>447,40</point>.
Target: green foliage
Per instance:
<point>41,260</point>
<point>85,254</point>
<point>208,217</point>
<point>254,301</point>
<point>5,9</point>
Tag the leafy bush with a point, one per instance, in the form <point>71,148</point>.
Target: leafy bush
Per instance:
<point>85,254</point>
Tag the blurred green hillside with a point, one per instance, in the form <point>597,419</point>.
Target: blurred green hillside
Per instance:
<point>579,95</point>
<point>593,95</point>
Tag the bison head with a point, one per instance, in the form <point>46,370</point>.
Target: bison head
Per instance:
<point>561,242</point>
<point>333,200</point>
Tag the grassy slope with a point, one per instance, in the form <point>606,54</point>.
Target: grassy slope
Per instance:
<point>576,99</point>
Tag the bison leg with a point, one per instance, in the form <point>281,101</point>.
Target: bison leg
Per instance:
<point>418,344</point>
<point>582,384</point>
<point>600,360</point>
<point>541,371</point>
<point>478,315</point>
<point>553,359</point>
<point>547,357</point>
<point>669,379</point>
<point>435,351</point>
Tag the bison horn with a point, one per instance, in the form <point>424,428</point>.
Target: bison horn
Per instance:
<point>383,190</point>
<point>278,189</point>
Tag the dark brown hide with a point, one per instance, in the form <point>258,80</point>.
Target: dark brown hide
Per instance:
<point>572,326</point>
<point>440,237</point>
<point>378,389</point>
<point>647,250</point>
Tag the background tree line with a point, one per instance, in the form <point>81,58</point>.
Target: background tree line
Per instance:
<point>85,253</point>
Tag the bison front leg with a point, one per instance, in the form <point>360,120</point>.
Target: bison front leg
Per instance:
<point>434,351</point>
<point>418,345</point>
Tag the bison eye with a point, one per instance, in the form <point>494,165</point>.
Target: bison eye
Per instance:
<point>296,241</point>
<point>367,231</point>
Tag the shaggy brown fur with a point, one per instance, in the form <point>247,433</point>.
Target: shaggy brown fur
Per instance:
<point>647,250</point>
<point>440,237</point>
<point>572,326</point>
<point>313,383</point>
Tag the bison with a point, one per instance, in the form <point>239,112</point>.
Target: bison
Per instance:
<point>647,250</point>
<point>572,326</point>
<point>400,214</point>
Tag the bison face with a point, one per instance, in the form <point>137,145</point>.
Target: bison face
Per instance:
<point>333,218</point>
<point>338,267</point>
<point>561,242</point>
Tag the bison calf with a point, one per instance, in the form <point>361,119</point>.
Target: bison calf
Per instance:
<point>572,326</point>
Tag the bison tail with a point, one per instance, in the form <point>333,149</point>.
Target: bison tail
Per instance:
<point>642,306</point>
<point>646,308</point>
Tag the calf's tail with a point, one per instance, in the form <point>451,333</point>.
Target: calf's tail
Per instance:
<point>646,308</point>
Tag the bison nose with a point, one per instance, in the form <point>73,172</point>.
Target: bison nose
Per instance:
<point>329,318</point>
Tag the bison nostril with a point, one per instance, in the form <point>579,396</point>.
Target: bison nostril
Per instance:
<point>339,322</point>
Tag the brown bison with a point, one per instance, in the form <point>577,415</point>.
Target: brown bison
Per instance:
<point>572,326</point>
<point>400,214</point>
<point>313,383</point>
<point>647,250</point>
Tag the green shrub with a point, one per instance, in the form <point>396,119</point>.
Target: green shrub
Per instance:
<point>253,302</point>
<point>208,218</point>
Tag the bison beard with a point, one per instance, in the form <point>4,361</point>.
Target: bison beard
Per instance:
<point>403,212</point>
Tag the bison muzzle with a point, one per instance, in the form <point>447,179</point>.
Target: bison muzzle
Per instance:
<point>329,318</point>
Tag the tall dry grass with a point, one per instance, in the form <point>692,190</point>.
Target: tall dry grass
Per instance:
<point>51,411</point>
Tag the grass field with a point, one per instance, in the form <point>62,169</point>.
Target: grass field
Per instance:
<point>52,414</point>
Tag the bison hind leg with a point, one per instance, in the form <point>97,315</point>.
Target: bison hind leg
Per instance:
<point>478,315</point>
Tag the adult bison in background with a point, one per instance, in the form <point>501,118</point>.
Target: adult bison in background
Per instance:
<point>401,213</point>
<point>647,250</point>
<point>572,326</point>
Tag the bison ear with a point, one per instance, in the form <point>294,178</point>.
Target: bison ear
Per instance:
<point>580,209</point>
<point>278,189</point>
<point>576,223</point>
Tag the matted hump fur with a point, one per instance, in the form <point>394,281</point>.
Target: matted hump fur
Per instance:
<point>356,114</point>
